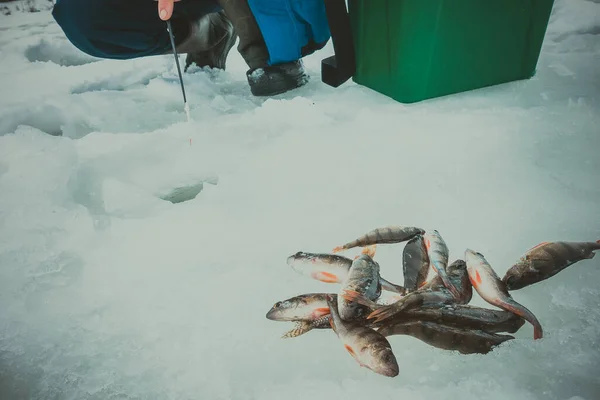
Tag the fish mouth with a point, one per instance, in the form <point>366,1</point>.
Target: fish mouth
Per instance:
<point>390,371</point>
<point>271,315</point>
<point>471,258</point>
<point>387,363</point>
<point>275,314</point>
<point>456,267</point>
<point>469,252</point>
<point>512,283</point>
<point>293,258</point>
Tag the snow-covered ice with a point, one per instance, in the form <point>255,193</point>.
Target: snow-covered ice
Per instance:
<point>109,291</point>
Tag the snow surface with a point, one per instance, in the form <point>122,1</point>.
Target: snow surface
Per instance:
<point>107,291</point>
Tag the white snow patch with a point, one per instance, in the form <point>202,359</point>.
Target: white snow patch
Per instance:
<point>62,53</point>
<point>109,291</point>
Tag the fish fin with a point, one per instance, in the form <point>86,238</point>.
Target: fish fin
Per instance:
<point>326,277</point>
<point>524,312</point>
<point>338,249</point>
<point>354,296</point>
<point>370,250</point>
<point>320,312</point>
<point>383,312</point>
<point>350,350</point>
<point>407,302</point>
<point>536,246</point>
<point>300,329</point>
<point>422,285</point>
<point>427,242</point>
<point>476,279</point>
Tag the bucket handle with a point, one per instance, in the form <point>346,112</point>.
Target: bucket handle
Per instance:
<point>337,69</point>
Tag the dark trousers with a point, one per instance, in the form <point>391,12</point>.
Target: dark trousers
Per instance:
<point>125,29</point>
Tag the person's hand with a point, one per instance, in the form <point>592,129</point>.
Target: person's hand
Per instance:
<point>165,9</point>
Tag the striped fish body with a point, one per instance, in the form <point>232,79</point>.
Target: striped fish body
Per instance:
<point>546,260</point>
<point>438,253</point>
<point>415,263</point>
<point>329,268</point>
<point>369,348</point>
<point>459,276</point>
<point>363,278</point>
<point>386,235</point>
<point>460,316</point>
<point>305,307</point>
<point>465,341</point>
<point>489,286</point>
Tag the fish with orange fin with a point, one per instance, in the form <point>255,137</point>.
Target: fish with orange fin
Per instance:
<point>329,268</point>
<point>546,260</point>
<point>433,294</point>
<point>368,347</point>
<point>332,268</point>
<point>370,250</point>
<point>459,277</point>
<point>456,315</point>
<point>364,278</point>
<point>308,311</point>
<point>415,264</point>
<point>420,298</point>
<point>465,341</point>
<point>489,286</point>
<point>438,253</point>
<point>386,235</point>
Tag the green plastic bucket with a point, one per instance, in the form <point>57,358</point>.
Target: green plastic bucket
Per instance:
<point>413,50</point>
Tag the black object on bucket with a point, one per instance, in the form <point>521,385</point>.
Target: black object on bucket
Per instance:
<point>337,69</point>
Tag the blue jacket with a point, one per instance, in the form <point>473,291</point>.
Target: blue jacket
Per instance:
<point>292,29</point>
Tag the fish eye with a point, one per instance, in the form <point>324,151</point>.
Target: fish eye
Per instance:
<point>277,305</point>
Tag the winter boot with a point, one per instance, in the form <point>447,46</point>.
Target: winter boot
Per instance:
<point>276,79</point>
<point>264,79</point>
<point>209,42</point>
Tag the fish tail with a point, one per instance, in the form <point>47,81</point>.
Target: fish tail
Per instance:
<point>354,296</point>
<point>385,311</point>
<point>370,250</point>
<point>360,242</point>
<point>382,313</point>
<point>525,313</point>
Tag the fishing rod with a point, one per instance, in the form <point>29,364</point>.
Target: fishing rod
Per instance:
<point>186,107</point>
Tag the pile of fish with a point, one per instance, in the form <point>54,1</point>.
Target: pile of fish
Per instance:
<point>431,305</point>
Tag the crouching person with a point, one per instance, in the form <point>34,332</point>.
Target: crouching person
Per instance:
<point>274,35</point>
